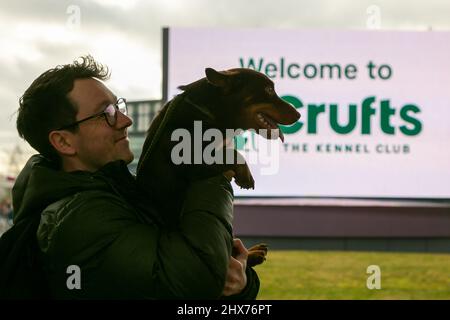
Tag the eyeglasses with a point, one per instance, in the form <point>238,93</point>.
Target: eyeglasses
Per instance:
<point>110,114</point>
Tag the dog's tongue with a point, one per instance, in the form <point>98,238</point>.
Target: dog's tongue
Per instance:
<point>274,124</point>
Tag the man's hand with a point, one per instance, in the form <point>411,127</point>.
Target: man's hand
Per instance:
<point>236,277</point>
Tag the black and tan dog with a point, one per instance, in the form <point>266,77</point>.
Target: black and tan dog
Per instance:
<point>232,99</point>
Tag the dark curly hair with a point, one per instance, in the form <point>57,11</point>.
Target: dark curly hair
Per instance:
<point>45,106</point>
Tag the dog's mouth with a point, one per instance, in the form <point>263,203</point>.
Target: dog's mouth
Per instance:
<point>266,122</point>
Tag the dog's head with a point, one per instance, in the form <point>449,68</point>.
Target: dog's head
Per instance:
<point>249,101</point>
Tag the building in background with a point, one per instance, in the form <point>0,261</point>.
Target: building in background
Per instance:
<point>142,112</point>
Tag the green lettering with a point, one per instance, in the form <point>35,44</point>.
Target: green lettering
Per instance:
<point>417,125</point>
<point>312,67</point>
<point>251,64</point>
<point>313,111</point>
<point>330,68</point>
<point>292,75</point>
<point>350,71</point>
<point>270,68</point>
<point>386,113</point>
<point>367,112</point>
<point>351,119</point>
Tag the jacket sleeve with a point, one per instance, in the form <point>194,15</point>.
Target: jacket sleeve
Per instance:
<point>192,262</point>
<point>120,257</point>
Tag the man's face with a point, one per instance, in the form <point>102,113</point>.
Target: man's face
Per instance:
<point>96,142</point>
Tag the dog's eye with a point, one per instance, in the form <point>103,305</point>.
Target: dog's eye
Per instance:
<point>270,91</point>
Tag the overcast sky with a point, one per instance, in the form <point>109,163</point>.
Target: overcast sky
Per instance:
<point>126,35</point>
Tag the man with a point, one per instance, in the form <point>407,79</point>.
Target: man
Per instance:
<point>97,237</point>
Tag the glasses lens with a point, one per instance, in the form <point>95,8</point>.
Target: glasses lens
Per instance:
<point>122,106</point>
<point>110,114</point>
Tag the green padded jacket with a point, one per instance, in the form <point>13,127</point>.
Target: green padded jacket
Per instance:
<point>100,239</point>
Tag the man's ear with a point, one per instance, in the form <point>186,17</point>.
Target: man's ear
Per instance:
<point>63,142</point>
<point>216,78</point>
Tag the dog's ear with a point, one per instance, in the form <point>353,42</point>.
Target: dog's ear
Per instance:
<point>216,78</point>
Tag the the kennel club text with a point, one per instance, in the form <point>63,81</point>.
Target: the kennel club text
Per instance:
<point>347,148</point>
<point>225,309</point>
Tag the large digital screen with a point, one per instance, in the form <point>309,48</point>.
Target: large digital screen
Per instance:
<point>375,107</point>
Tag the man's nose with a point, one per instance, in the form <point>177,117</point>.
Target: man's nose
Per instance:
<point>123,121</point>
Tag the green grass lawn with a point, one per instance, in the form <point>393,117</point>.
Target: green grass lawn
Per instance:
<point>294,275</point>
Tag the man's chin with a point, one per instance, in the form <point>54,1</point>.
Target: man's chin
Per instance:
<point>124,151</point>
<point>128,158</point>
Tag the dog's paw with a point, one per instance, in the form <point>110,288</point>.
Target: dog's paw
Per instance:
<point>245,183</point>
<point>244,178</point>
<point>257,254</point>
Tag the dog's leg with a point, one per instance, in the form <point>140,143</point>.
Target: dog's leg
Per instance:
<point>243,177</point>
<point>257,254</point>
